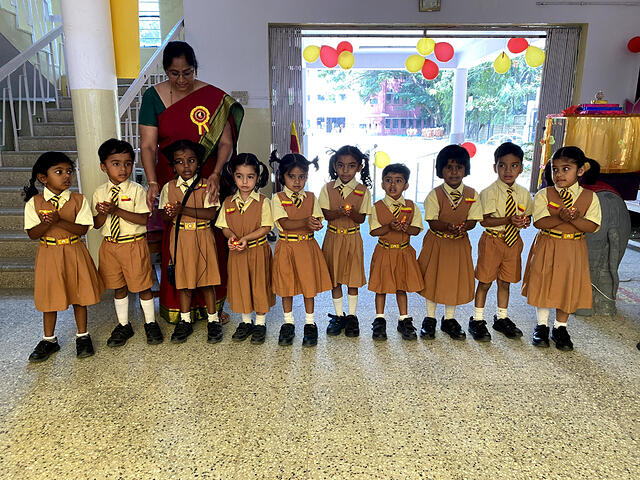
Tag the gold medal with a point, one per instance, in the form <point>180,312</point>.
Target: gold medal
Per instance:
<point>200,116</point>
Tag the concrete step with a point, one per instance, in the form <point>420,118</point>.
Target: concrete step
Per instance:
<point>28,158</point>
<point>64,102</point>
<point>16,272</point>
<point>60,115</point>
<point>18,176</point>
<point>12,196</point>
<point>11,219</point>
<point>65,129</point>
<point>17,244</point>
<point>50,143</point>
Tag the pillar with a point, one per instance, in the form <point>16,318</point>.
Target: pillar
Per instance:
<point>458,106</point>
<point>91,73</point>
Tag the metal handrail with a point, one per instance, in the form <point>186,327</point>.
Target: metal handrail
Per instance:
<point>23,57</point>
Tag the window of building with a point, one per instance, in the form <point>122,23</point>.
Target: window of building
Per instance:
<point>403,123</point>
<point>149,23</point>
<point>387,122</point>
<point>411,123</point>
<point>388,97</point>
<point>395,123</point>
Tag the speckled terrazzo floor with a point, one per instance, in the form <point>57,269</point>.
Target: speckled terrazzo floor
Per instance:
<point>347,409</point>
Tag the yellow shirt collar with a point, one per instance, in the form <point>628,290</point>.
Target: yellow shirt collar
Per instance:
<point>352,184</point>
<point>48,194</point>
<point>123,186</point>
<point>184,184</point>
<point>252,196</point>
<point>288,193</point>
<point>503,186</point>
<point>390,202</point>
<point>575,190</point>
<point>448,189</point>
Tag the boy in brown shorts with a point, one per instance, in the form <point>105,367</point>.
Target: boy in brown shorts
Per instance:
<point>507,208</point>
<point>120,212</point>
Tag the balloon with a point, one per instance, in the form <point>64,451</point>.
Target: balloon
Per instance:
<point>534,56</point>
<point>430,70</point>
<point>414,63</point>
<point>311,53</point>
<point>634,45</point>
<point>425,46</point>
<point>381,159</point>
<point>469,147</point>
<point>329,56</point>
<point>517,45</point>
<point>346,60</point>
<point>344,46</point>
<point>444,51</point>
<point>502,64</point>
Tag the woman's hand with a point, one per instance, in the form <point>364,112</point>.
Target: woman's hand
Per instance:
<point>213,187</point>
<point>152,193</point>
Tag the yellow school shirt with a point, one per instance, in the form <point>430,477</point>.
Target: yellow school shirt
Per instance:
<point>390,203</point>
<point>323,199</point>
<point>266,217</point>
<point>31,218</point>
<point>182,185</point>
<point>432,207</point>
<point>494,201</point>
<point>132,197</point>
<point>279,212</point>
<point>541,210</point>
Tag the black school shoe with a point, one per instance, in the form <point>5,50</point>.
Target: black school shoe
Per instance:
<point>336,324</point>
<point>478,330</point>
<point>44,350</point>
<point>242,332</point>
<point>258,334</point>
<point>451,327</point>
<point>541,336</point>
<point>310,338</point>
<point>214,332</point>
<point>406,329</point>
<point>379,328</point>
<point>120,335</point>
<point>561,338</point>
<point>287,332</point>
<point>181,332</point>
<point>352,328</point>
<point>428,329</point>
<point>506,327</point>
<point>84,346</point>
<point>154,334</point>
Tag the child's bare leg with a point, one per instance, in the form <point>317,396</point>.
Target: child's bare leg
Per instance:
<point>380,301</point>
<point>336,296</point>
<point>146,294</point>
<point>287,304</point>
<point>503,294</point>
<point>209,295</point>
<point>481,294</point>
<point>185,300</point>
<point>80,312</point>
<point>49,323</point>
<point>336,292</point>
<point>120,292</point>
<point>401,298</point>
<point>561,318</point>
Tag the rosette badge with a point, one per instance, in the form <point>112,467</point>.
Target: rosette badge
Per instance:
<point>200,116</point>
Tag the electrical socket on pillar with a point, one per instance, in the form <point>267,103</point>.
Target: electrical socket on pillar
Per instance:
<point>242,96</point>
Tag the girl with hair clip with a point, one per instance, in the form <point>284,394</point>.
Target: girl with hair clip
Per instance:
<point>345,203</point>
<point>557,273</point>
<point>245,219</point>
<point>299,267</point>
<point>64,271</point>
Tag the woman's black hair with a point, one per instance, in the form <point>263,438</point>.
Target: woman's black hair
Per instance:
<point>456,153</point>
<point>363,158</point>
<point>508,148</point>
<point>249,159</point>
<point>44,163</point>
<point>178,49</point>
<point>114,146</point>
<point>577,156</point>
<point>400,168</point>
<point>184,144</point>
<point>289,162</point>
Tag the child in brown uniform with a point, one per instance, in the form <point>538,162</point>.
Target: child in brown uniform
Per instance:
<point>451,209</point>
<point>120,210</point>
<point>557,273</point>
<point>245,219</point>
<point>195,259</point>
<point>507,207</point>
<point>299,267</point>
<point>345,204</point>
<point>64,271</point>
<point>394,268</point>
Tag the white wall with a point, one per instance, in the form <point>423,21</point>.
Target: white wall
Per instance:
<point>231,37</point>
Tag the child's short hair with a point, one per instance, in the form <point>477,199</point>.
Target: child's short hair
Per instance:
<point>114,146</point>
<point>355,152</point>
<point>456,153</point>
<point>184,144</point>
<point>508,148</point>
<point>577,156</point>
<point>289,162</point>
<point>249,159</point>
<point>400,168</point>
<point>44,163</point>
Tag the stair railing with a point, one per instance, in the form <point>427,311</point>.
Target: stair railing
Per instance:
<point>33,16</point>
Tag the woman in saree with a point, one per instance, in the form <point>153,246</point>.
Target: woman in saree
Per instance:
<point>183,107</point>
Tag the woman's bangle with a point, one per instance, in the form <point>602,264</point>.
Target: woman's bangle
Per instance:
<point>152,183</point>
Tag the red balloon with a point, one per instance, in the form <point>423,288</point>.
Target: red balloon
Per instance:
<point>328,56</point>
<point>517,45</point>
<point>443,51</point>
<point>634,45</point>
<point>344,46</point>
<point>469,147</point>
<point>430,69</point>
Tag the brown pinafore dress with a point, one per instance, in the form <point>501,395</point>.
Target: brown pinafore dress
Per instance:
<point>249,284</point>
<point>64,274</point>
<point>557,272</point>
<point>299,268</point>
<point>395,268</point>
<point>343,250</point>
<point>446,263</point>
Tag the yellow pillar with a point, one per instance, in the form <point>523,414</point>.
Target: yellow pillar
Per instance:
<point>126,33</point>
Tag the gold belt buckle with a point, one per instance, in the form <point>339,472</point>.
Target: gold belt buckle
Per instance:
<point>63,241</point>
<point>567,236</point>
<point>190,226</point>
<point>343,230</point>
<point>394,245</point>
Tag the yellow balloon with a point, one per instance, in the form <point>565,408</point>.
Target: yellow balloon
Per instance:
<point>381,159</point>
<point>534,56</point>
<point>311,53</point>
<point>502,64</point>
<point>346,60</point>
<point>425,46</point>
<point>414,63</point>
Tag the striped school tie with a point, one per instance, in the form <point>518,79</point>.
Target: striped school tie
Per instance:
<point>455,198</point>
<point>340,189</point>
<point>297,201</point>
<point>566,198</point>
<point>510,230</point>
<point>55,201</point>
<point>396,209</point>
<point>240,206</point>
<point>115,219</point>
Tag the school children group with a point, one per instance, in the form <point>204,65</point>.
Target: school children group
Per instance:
<point>556,275</point>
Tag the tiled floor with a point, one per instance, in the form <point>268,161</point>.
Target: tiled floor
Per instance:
<point>347,409</point>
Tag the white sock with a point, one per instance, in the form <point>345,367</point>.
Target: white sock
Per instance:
<point>78,335</point>
<point>50,339</point>
<point>149,310</point>
<point>543,315</point>
<point>288,317</point>
<point>402,317</point>
<point>185,317</point>
<point>353,304</point>
<point>431,309</point>
<point>246,318</point>
<point>122,309</point>
<point>557,324</point>
<point>212,317</point>
<point>449,312</point>
<point>381,315</point>
<point>478,314</point>
<point>308,319</point>
<point>260,319</point>
<point>337,305</point>
<point>503,312</point>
